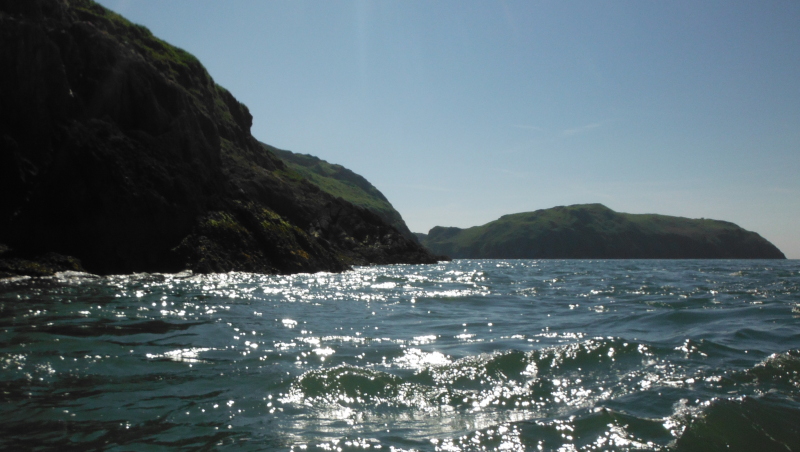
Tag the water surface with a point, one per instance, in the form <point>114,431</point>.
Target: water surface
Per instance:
<point>474,355</point>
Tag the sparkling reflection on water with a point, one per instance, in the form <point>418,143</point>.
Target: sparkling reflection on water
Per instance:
<point>468,355</point>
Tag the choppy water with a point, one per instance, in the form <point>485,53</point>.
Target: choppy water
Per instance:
<point>462,356</point>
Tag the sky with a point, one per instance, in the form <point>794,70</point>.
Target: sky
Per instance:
<point>463,111</point>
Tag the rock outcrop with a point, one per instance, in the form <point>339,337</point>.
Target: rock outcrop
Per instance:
<point>593,231</point>
<point>344,183</point>
<point>120,150</point>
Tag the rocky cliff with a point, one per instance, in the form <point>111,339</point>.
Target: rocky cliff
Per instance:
<point>593,231</point>
<point>120,150</point>
<point>344,183</point>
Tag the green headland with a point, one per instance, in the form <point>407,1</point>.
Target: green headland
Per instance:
<point>593,231</point>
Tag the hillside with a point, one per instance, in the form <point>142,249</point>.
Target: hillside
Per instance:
<point>343,183</point>
<point>593,231</point>
<point>120,154</point>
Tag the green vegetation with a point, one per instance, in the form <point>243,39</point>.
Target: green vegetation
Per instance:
<point>139,36</point>
<point>342,183</point>
<point>336,180</point>
<point>223,222</point>
<point>221,108</point>
<point>176,64</point>
<point>595,231</point>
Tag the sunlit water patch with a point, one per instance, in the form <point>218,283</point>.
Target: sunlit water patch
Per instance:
<point>462,356</point>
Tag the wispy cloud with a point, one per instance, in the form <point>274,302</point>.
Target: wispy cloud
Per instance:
<point>527,127</point>
<point>582,129</point>
<point>520,147</point>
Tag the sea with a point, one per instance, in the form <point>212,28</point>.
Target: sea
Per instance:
<point>468,355</point>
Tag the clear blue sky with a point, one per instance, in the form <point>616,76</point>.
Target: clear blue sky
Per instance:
<point>462,111</point>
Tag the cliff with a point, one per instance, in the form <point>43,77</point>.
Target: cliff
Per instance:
<point>344,183</point>
<point>593,231</point>
<point>120,150</point>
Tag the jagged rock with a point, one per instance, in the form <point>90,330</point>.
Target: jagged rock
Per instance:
<point>13,264</point>
<point>119,149</point>
<point>344,183</point>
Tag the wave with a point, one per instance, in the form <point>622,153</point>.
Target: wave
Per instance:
<point>598,394</point>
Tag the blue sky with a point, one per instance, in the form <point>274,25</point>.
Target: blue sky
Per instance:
<point>463,111</point>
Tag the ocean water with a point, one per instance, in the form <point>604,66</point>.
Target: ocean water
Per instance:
<point>470,355</point>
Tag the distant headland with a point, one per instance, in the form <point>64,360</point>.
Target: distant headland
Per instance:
<point>593,231</point>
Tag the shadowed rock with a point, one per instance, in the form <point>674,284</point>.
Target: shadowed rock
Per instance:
<point>120,150</point>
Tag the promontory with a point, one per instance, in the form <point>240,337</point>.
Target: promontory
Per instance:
<point>593,231</point>
<point>119,153</point>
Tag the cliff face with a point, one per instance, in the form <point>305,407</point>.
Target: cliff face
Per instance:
<point>593,231</point>
<point>119,149</point>
<point>341,182</point>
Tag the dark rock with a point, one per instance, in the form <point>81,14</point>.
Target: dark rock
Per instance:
<point>343,183</point>
<point>16,264</point>
<point>119,149</point>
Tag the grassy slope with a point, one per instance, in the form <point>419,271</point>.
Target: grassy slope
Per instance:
<point>343,183</point>
<point>595,231</point>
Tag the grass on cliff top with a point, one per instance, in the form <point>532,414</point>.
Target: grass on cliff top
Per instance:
<point>342,183</point>
<point>342,189</point>
<point>178,64</point>
<point>336,180</point>
<point>139,36</point>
